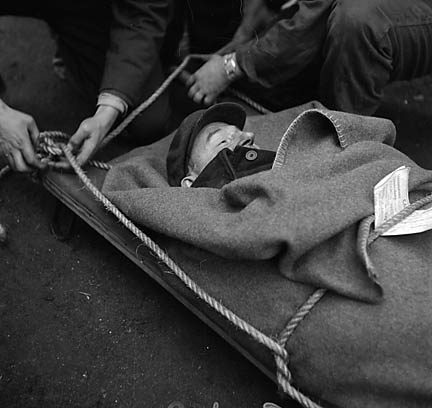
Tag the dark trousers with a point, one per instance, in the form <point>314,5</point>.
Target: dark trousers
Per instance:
<point>369,43</point>
<point>82,28</point>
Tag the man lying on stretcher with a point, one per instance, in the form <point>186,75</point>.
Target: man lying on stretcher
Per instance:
<point>211,149</point>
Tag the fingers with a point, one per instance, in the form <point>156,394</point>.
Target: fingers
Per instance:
<point>198,95</point>
<point>33,160</point>
<point>87,149</point>
<point>209,100</point>
<point>208,81</point>
<point>28,153</point>
<point>33,131</point>
<point>21,155</point>
<point>60,165</point>
<point>191,80</point>
<point>195,93</point>
<point>17,162</point>
<point>79,143</point>
<point>24,156</point>
<point>18,135</point>
<point>78,137</point>
<point>85,141</point>
<point>75,143</point>
<point>9,160</point>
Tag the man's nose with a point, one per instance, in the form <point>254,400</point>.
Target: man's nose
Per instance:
<point>247,138</point>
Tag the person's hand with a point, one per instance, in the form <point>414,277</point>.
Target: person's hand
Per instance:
<point>208,81</point>
<point>18,138</point>
<point>86,140</point>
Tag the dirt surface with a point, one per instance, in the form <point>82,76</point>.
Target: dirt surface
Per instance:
<point>81,326</point>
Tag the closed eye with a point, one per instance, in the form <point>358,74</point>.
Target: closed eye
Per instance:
<point>247,142</point>
<point>212,133</point>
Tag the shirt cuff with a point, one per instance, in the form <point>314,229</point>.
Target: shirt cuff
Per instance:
<point>108,99</point>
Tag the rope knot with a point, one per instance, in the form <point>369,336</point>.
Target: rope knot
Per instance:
<point>51,144</point>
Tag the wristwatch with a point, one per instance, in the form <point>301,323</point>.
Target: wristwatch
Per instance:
<point>231,67</point>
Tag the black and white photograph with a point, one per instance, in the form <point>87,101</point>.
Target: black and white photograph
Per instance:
<point>216,204</point>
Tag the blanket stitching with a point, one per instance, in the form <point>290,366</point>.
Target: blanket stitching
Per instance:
<point>283,144</point>
<point>337,123</point>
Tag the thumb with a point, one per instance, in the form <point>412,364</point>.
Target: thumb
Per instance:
<point>87,150</point>
<point>33,132</point>
<point>204,57</point>
<point>79,137</point>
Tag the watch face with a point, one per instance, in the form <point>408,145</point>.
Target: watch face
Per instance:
<point>230,65</point>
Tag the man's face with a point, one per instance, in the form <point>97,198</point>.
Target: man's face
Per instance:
<point>209,142</point>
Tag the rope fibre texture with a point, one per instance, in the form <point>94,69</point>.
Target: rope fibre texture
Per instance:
<point>240,95</point>
<point>283,374</point>
<point>52,142</point>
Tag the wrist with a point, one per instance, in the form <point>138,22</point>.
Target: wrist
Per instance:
<point>106,115</point>
<point>108,99</point>
<point>231,67</point>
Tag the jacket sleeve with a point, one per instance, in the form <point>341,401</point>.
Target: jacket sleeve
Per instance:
<point>288,46</point>
<point>137,33</point>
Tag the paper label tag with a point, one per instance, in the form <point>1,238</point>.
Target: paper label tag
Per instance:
<point>391,195</point>
<point>418,221</point>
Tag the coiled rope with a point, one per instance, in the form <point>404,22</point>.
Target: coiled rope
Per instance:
<point>53,144</point>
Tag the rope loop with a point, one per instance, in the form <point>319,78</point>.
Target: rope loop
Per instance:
<point>50,144</point>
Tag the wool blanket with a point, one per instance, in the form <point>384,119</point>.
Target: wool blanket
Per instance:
<point>262,244</point>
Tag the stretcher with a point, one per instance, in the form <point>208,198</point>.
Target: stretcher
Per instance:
<point>68,190</point>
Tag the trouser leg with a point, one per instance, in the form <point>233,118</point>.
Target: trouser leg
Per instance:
<point>211,23</point>
<point>16,8</point>
<point>369,44</point>
<point>82,29</point>
<point>82,33</point>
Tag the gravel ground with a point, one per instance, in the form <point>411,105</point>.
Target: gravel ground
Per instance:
<point>80,325</point>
